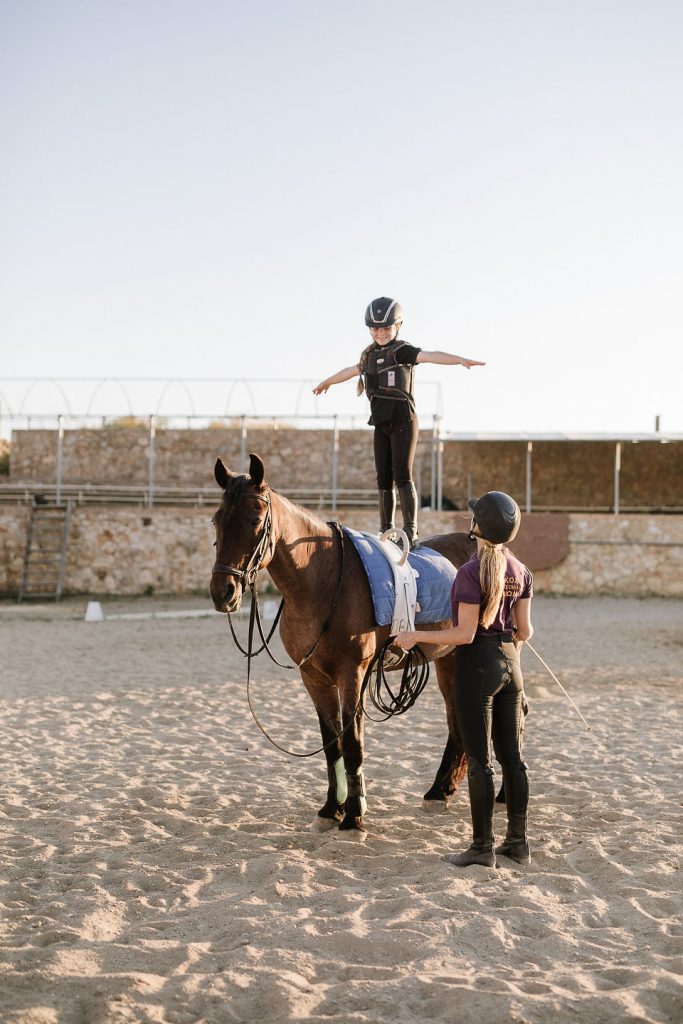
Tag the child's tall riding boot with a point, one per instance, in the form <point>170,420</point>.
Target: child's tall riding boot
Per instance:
<point>387,510</point>
<point>408,497</point>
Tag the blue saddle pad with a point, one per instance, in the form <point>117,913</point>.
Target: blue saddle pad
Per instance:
<point>434,583</point>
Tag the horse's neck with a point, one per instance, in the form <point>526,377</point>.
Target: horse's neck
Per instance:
<point>304,551</point>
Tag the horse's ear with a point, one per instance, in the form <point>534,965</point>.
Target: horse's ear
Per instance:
<point>257,470</point>
<point>223,476</point>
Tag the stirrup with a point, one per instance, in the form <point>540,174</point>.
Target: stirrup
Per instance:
<point>400,538</point>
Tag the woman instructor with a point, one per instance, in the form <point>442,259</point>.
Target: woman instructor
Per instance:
<point>386,371</point>
<point>491,606</point>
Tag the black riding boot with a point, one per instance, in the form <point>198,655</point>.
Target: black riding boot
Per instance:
<point>515,845</point>
<point>387,510</point>
<point>408,497</point>
<point>480,783</point>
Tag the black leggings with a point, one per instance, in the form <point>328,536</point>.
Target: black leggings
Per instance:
<point>489,697</point>
<point>395,445</point>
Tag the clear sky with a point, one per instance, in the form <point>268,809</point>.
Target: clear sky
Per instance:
<point>205,188</point>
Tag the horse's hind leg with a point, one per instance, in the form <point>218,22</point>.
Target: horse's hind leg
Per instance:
<point>453,765</point>
<point>325,696</point>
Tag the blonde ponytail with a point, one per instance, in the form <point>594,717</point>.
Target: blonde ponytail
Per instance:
<point>492,563</point>
<point>362,363</point>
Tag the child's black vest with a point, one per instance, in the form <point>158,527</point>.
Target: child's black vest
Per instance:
<point>385,378</point>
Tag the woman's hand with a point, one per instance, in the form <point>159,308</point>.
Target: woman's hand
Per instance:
<point>321,388</point>
<point>468,363</point>
<point>405,640</point>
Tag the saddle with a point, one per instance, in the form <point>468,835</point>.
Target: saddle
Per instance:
<point>407,588</point>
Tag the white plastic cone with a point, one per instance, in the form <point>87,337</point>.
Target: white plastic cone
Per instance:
<point>94,613</point>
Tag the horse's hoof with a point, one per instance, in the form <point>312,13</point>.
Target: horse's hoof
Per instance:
<point>350,824</point>
<point>435,806</point>
<point>322,824</point>
<point>353,835</point>
<point>437,793</point>
<point>331,810</point>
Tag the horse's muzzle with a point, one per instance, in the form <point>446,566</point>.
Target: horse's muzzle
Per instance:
<point>226,592</point>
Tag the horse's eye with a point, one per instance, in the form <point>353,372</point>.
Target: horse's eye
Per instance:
<point>214,543</point>
<point>255,522</point>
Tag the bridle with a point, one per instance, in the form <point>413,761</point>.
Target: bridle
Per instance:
<point>264,545</point>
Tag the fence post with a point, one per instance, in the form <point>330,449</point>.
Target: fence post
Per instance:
<point>335,461</point>
<point>243,444</point>
<point>432,489</point>
<point>152,459</point>
<point>60,454</point>
<point>529,449</point>
<point>439,470</point>
<point>617,471</point>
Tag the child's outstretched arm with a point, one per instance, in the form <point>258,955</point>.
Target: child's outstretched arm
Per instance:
<point>448,359</point>
<point>336,378</point>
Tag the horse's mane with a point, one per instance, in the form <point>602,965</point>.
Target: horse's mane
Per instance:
<point>307,512</point>
<point>238,485</point>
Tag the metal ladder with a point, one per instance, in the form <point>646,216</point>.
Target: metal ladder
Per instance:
<point>45,553</point>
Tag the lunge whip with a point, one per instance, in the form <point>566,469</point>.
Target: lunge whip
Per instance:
<point>548,669</point>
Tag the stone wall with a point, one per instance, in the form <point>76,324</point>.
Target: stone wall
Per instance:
<point>636,556</point>
<point>577,474</point>
<point>185,458</point>
<point>133,551</point>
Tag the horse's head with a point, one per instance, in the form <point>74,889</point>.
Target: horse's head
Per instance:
<point>244,533</point>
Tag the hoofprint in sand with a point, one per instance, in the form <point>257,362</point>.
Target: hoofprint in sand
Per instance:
<point>158,863</point>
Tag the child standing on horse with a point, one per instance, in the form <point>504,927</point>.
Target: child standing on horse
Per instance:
<point>386,374</point>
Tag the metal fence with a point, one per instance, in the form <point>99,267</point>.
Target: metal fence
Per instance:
<point>324,494</point>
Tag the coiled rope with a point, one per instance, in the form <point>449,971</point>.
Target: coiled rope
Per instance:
<point>414,678</point>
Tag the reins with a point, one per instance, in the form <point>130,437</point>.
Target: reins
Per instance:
<point>414,678</point>
<point>255,616</point>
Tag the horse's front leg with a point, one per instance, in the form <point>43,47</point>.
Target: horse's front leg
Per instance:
<point>325,696</point>
<point>352,746</point>
<point>453,765</point>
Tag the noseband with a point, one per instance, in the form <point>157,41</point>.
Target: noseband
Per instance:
<point>247,576</point>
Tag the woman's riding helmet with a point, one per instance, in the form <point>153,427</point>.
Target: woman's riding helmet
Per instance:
<point>383,312</point>
<point>497,516</point>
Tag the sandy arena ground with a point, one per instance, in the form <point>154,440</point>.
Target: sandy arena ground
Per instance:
<point>157,861</point>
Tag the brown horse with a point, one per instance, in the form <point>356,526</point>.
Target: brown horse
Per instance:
<point>258,528</point>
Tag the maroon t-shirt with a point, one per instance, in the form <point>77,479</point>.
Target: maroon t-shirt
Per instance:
<point>466,588</point>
